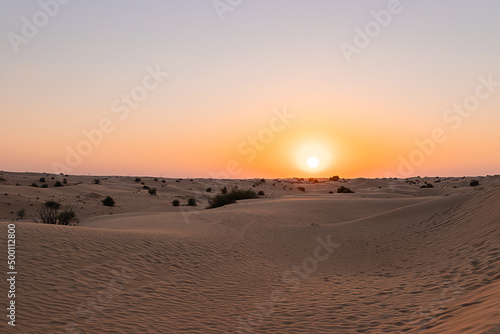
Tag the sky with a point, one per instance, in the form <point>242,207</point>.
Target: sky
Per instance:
<point>244,89</point>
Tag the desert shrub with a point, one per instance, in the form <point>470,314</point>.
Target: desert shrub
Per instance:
<point>96,181</point>
<point>262,180</point>
<point>427,185</point>
<point>334,178</point>
<point>176,202</point>
<point>65,181</point>
<point>58,184</point>
<point>42,179</point>
<point>208,190</point>
<point>155,179</point>
<point>261,193</point>
<point>2,179</point>
<point>34,185</point>
<point>163,181</point>
<point>231,197</point>
<point>474,183</point>
<point>192,202</point>
<point>152,191</point>
<point>21,213</point>
<point>177,181</point>
<point>66,217</point>
<point>108,201</point>
<point>302,189</point>
<point>146,187</point>
<point>45,185</point>
<point>330,192</point>
<point>243,194</point>
<point>344,190</point>
<point>49,214</point>
<point>52,178</point>
<point>52,205</point>
<point>137,179</point>
<point>46,215</point>
<point>220,200</point>
<point>224,190</point>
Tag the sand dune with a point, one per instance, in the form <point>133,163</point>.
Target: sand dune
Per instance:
<point>390,258</point>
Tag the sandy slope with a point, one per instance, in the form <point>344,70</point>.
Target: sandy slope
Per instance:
<point>391,258</point>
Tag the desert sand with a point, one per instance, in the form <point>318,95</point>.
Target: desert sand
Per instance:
<point>390,258</point>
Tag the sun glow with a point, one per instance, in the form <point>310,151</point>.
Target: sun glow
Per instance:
<point>313,157</point>
<point>313,162</point>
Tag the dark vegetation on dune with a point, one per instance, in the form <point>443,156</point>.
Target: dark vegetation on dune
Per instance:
<point>108,201</point>
<point>49,214</point>
<point>231,197</point>
<point>21,213</point>
<point>344,190</point>
<point>191,202</point>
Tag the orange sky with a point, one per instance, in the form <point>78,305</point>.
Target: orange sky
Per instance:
<point>105,73</point>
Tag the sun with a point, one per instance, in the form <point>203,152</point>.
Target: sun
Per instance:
<point>313,157</point>
<point>313,162</point>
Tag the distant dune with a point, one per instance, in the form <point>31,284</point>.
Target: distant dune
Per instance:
<point>391,257</point>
